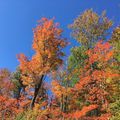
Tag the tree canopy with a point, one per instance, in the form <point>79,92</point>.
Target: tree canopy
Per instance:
<point>87,88</point>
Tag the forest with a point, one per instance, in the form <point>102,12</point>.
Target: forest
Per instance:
<point>50,86</point>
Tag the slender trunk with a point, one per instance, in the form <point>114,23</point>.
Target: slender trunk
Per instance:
<point>37,88</point>
<point>66,104</point>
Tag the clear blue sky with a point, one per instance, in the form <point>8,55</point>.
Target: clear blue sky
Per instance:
<point>18,17</point>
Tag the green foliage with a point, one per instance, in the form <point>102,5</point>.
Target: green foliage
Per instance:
<point>87,29</point>
<point>78,57</point>
<point>115,105</point>
<point>27,115</point>
<point>115,108</point>
<point>16,80</point>
<point>16,77</point>
<point>76,61</point>
<point>115,41</point>
<point>20,116</point>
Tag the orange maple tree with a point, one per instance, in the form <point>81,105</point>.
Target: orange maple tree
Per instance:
<point>47,44</point>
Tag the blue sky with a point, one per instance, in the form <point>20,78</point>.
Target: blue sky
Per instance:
<point>18,17</point>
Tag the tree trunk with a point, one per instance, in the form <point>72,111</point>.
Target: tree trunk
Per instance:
<point>37,88</point>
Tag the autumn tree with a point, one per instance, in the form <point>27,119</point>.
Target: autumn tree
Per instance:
<point>89,98</point>
<point>16,78</point>
<point>8,105</point>
<point>115,66</point>
<point>87,29</point>
<point>47,44</point>
<point>87,88</point>
<point>6,84</point>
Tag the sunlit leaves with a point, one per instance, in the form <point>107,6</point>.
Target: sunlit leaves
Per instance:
<point>101,53</point>
<point>82,90</point>
<point>47,44</point>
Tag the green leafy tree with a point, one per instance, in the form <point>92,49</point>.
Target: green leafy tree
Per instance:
<point>115,66</point>
<point>87,29</point>
<point>16,78</point>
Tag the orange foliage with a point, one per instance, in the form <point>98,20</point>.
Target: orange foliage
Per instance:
<point>91,86</point>
<point>9,107</point>
<point>70,102</point>
<point>102,52</point>
<point>47,45</point>
<point>82,113</point>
